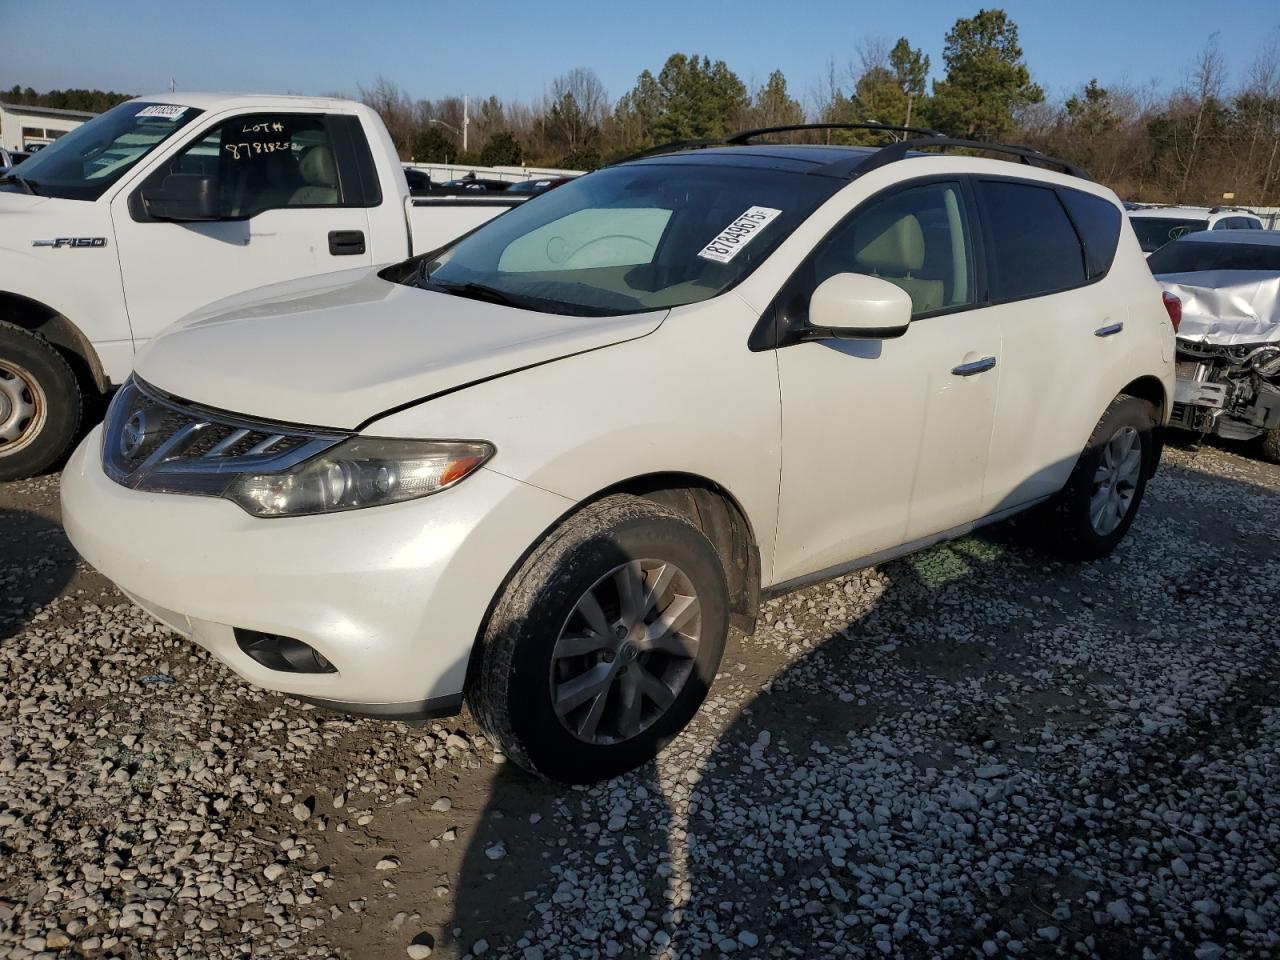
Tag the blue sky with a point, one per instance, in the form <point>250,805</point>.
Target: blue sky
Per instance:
<point>514,50</point>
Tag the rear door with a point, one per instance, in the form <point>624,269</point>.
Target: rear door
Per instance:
<point>1059,326</point>
<point>885,441</point>
<point>293,188</point>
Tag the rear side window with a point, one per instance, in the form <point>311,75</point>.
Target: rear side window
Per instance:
<point>1098,223</point>
<point>1032,249</point>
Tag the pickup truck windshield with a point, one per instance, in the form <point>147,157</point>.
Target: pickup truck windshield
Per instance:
<point>81,165</point>
<point>630,238</point>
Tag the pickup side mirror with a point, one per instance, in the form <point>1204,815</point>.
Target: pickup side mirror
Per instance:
<point>183,197</point>
<point>854,306</point>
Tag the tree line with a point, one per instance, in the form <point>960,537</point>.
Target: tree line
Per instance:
<point>1211,135</point>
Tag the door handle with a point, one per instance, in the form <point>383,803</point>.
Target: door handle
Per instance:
<point>346,243</point>
<point>1110,330</point>
<point>976,366</point>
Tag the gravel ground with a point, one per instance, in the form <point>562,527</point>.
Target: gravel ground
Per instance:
<point>971,752</point>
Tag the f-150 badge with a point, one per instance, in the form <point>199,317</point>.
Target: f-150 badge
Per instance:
<point>71,242</point>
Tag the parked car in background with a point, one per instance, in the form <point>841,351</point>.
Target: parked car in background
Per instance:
<point>473,184</point>
<point>546,468</point>
<point>419,182</point>
<point>537,186</point>
<point>166,203</point>
<point>11,158</point>
<point>1157,225</point>
<point>1229,340</point>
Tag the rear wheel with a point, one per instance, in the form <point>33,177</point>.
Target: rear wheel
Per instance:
<point>604,643</point>
<point>1271,445</point>
<point>40,404</point>
<point>1094,511</point>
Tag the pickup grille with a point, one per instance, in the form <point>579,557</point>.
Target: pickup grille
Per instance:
<point>152,442</point>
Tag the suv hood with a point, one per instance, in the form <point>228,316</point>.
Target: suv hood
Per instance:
<point>339,349</point>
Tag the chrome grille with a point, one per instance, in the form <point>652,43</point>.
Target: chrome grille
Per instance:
<point>151,442</point>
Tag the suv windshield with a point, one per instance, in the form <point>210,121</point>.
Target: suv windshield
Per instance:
<point>1154,232</point>
<point>630,238</point>
<point>1193,256</point>
<point>82,164</point>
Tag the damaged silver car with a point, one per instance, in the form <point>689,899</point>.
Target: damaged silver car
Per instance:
<point>1229,337</point>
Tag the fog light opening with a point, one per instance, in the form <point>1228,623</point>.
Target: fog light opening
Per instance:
<point>282,653</point>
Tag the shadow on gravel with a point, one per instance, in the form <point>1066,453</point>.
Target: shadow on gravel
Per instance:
<point>36,563</point>
<point>949,770</point>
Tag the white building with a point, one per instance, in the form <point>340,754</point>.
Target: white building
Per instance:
<point>22,127</point>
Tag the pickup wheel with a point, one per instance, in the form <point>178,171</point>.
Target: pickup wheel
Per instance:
<point>1270,445</point>
<point>40,404</point>
<point>1093,512</point>
<point>604,643</point>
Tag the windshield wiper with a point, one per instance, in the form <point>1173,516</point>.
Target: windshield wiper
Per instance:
<point>28,185</point>
<point>474,291</point>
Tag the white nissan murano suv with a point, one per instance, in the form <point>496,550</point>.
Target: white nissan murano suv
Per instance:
<point>544,469</point>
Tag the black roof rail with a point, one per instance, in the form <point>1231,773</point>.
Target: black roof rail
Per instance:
<point>893,152</point>
<point>743,137</point>
<point>672,146</point>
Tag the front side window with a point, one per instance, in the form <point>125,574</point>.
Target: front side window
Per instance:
<point>917,239</point>
<point>89,159</point>
<point>630,238</point>
<point>1032,248</point>
<point>263,162</point>
<point>1154,232</point>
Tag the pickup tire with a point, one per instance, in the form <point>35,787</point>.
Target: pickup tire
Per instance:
<point>1091,515</point>
<point>40,403</point>
<point>604,642</point>
<point>1270,445</point>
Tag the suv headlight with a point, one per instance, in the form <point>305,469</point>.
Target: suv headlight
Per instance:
<point>360,472</point>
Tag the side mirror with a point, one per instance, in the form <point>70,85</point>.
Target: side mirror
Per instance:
<point>854,306</point>
<point>183,197</point>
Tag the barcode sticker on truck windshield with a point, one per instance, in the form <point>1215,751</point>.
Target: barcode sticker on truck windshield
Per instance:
<point>170,111</point>
<point>738,234</point>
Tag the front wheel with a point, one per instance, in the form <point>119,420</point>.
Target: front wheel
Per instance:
<point>604,643</point>
<point>40,404</point>
<point>1094,511</point>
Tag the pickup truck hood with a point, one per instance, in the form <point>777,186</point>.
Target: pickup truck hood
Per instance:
<point>339,349</point>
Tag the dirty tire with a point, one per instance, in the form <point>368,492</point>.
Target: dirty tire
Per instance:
<point>510,693</point>
<point>1270,445</point>
<point>48,435</point>
<point>1064,526</point>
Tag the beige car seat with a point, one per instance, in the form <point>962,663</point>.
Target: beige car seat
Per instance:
<point>890,244</point>
<point>319,176</point>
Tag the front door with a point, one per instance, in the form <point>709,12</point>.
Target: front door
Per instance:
<point>280,198</point>
<point>886,441</point>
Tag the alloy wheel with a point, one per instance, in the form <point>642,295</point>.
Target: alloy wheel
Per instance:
<point>626,651</point>
<point>1115,482</point>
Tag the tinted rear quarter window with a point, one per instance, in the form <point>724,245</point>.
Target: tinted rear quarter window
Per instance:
<point>1032,248</point>
<point>1098,222</point>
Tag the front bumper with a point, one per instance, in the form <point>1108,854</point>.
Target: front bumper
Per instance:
<point>392,596</point>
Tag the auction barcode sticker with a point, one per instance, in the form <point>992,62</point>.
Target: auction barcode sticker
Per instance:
<point>170,111</point>
<point>738,234</point>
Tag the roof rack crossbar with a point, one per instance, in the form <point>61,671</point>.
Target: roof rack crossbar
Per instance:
<point>858,166</point>
<point>743,137</point>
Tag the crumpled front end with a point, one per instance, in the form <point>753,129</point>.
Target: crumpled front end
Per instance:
<point>1227,391</point>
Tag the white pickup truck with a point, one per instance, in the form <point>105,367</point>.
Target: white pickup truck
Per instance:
<point>167,203</point>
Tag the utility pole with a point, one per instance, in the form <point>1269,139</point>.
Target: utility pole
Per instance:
<point>466,120</point>
<point>172,85</point>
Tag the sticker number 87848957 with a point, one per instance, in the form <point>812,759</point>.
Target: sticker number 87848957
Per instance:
<point>738,234</point>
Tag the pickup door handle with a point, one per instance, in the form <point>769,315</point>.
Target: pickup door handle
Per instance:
<point>977,366</point>
<point>346,243</point>
<point>1110,330</point>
